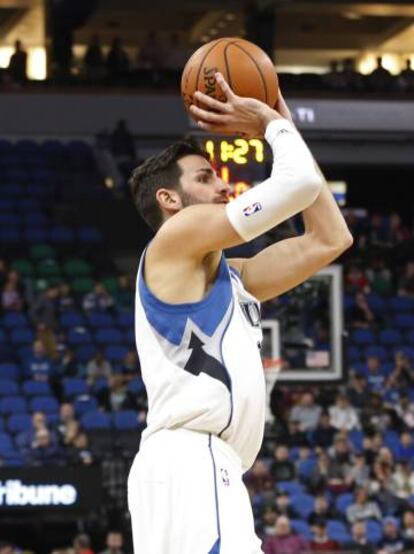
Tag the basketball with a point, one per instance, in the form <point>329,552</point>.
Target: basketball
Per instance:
<point>247,68</point>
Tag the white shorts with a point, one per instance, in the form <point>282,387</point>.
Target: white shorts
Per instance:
<point>186,496</point>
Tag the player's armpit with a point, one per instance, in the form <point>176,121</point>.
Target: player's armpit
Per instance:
<point>286,264</point>
<point>196,231</point>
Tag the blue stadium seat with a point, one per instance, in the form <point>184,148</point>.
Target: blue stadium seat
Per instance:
<point>100,319</point>
<point>136,386</point>
<point>36,388</point>
<point>360,367</point>
<point>72,319</point>
<point>305,468</point>
<point>10,235</point>
<point>390,337</point>
<point>343,501</point>
<point>78,336</point>
<point>303,504</point>
<point>125,420</point>
<point>23,335</point>
<point>126,319</point>
<point>130,337</point>
<point>301,528</point>
<point>85,352</point>
<point>85,404</point>
<point>62,234</point>
<point>290,487</point>
<point>46,404</point>
<point>356,437</point>
<point>116,353</point>
<point>9,371</point>
<point>9,219</point>
<point>410,337</point>
<point>407,350</point>
<point>96,420</point>
<point>89,234</point>
<point>74,387</point>
<point>392,441</point>
<point>401,304</point>
<point>374,531</point>
<point>17,423</point>
<point>362,336</point>
<point>8,387</point>
<point>12,320</point>
<point>35,234</point>
<point>110,335</point>
<point>378,351</point>
<point>337,531</point>
<point>353,354</point>
<point>13,405</point>
<point>404,321</point>
<point>376,303</point>
<point>35,219</point>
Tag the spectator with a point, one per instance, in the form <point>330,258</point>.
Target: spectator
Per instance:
<point>82,544</point>
<point>284,541</point>
<point>306,413</point>
<point>117,61</point>
<point>371,445</point>
<point>43,451</point>
<point>359,474</point>
<point>375,377</point>
<point>321,542</point>
<point>11,299</point>
<point>339,465</point>
<point>66,300</point>
<point>343,416</point>
<point>99,299</point>
<point>68,366</point>
<point>79,452</point>
<point>18,64</point>
<point>322,510</point>
<point>357,391</point>
<point>124,296</point>
<point>25,438</point>
<point>69,433</point>
<point>404,411</point>
<point>269,518</point>
<point>151,54</point>
<point>362,509</point>
<point>334,78</point>
<point>117,392</point>
<point>98,368</point>
<point>282,469</point>
<point>130,368</point>
<point>402,376</point>
<point>392,541</point>
<point>66,416</point>
<point>398,231</point>
<point>360,543</point>
<point>356,280</point>
<point>94,59</point>
<point>405,450</point>
<point>114,543</point>
<point>402,483</point>
<point>380,79</point>
<point>361,316</point>
<point>406,283</point>
<point>44,308</point>
<point>39,366</point>
<point>259,479</point>
<point>46,335</point>
<point>176,55</point>
<point>283,505</point>
<point>319,476</point>
<point>408,528</point>
<point>324,433</point>
<point>380,277</point>
<point>352,79</point>
<point>406,77</point>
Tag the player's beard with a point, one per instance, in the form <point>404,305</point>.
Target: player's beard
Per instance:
<point>188,199</point>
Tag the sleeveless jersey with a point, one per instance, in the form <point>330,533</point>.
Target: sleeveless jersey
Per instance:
<point>201,363</point>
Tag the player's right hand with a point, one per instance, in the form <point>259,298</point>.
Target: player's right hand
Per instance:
<point>237,116</point>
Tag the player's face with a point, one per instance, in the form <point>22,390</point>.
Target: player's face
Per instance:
<point>200,183</point>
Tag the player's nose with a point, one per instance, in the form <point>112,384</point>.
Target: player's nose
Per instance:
<point>223,187</point>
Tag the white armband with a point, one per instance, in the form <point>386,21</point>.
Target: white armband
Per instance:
<point>294,185</point>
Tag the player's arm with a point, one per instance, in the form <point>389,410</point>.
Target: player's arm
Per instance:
<point>293,185</point>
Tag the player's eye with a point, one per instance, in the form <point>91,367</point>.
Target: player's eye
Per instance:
<point>204,178</point>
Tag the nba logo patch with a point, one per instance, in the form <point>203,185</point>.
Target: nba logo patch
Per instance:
<point>252,209</point>
<point>225,477</point>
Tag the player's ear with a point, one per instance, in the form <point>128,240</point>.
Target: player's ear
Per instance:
<point>169,199</point>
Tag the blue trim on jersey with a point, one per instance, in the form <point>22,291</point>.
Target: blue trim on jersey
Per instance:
<point>170,320</point>
<point>216,547</point>
<point>231,386</point>
<point>235,271</point>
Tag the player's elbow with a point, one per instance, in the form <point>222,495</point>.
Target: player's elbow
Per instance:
<point>310,184</point>
<point>340,242</point>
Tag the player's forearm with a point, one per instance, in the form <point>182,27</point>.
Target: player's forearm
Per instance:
<point>294,185</point>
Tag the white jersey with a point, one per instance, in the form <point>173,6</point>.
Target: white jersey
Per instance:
<point>201,363</point>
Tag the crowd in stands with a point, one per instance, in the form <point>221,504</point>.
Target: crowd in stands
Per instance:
<point>159,64</point>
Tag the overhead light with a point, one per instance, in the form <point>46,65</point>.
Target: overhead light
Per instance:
<point>205,38</point>
<point>221,24</point>
<point>230,16</point>
<point>213,31</point>
<point>352,15</point>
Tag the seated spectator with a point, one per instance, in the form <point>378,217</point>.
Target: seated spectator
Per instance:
<point>360,543</point>
<point>79,452</point>
<point>39,366</point>
<point>371,445</point>
<point>339,464</point>
<point>269,518</point>
<point>124,296</point>
<point>357,391</point>
<point>408,527</point>
<point>322,510</point>
<point>259,479</point>
<point>402,483</point>
<point>343,416</point>
<point>356,281</point>
<point>318,478</point>
<point>284,540</point>
<point>283,505</point>
<point>98,368</point>
<point>43,451</point>
<point>151,54</point>
<point>114,543</point>
<point>98,300</point>
<point>324,433</point>
<point>375,377</point>
<point>392,540</point>
<point>359,473</point>
<point>402,376</point>
<point>362,509</point>
<point>398,231</point>
<point>130,368</point>
<point>47,336</point>
<point>81,545</point>
<point>65,300</point>
<point>66,416</point>
<point>44,308</point>
<point>69,433</point>
<point>68,365</point>
<point>379,277</point>
<point>11,301</point>
<point>282,469</point>
<point>25,438</point>
<point>117,392</point>
<point>321,542</point>
<point>18,64</point>
<point>306,412</point>
<point>361,316</point>
<point>405,450</point>
<point>406,283</point>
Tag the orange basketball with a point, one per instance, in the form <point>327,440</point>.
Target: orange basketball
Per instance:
<point>246,67</point>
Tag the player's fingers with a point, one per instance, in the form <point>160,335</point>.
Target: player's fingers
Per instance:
<point>206,115</point>
<point>225,87</point>
<point>212,103</point>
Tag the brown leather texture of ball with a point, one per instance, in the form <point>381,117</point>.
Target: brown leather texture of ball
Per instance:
<point>246,67</point>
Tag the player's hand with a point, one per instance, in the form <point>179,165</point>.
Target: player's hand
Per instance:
<point>236,116</point>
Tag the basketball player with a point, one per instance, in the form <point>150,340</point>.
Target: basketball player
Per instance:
<point>198,324</point>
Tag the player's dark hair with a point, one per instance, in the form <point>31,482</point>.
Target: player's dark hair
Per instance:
<point>160,171</point>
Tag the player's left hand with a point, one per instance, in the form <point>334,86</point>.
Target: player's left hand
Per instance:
<point>237,116</point>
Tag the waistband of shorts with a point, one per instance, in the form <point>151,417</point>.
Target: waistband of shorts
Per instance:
<point>175,436</point>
